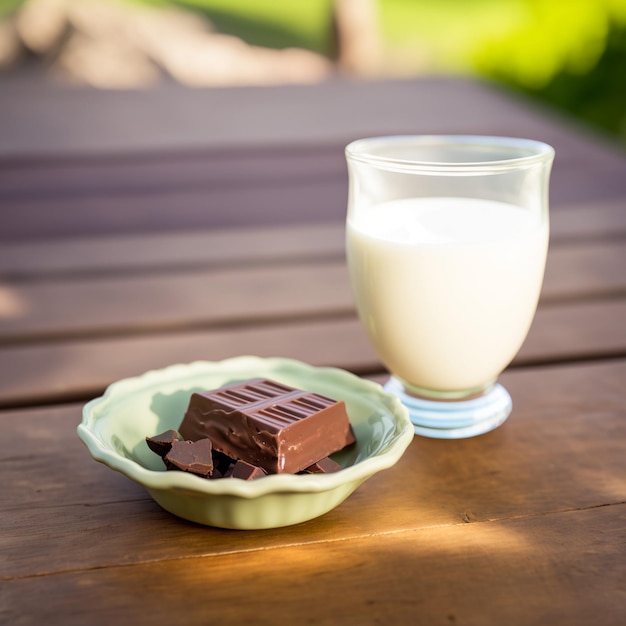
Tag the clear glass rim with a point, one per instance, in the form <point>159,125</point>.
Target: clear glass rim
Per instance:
<point>524,152</point>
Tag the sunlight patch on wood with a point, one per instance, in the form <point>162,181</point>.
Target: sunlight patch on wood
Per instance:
<point>11,304</point>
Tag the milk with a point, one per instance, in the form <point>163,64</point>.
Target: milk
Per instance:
<point>446,287</point>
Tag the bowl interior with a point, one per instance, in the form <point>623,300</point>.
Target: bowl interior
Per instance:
<point>155,402</point>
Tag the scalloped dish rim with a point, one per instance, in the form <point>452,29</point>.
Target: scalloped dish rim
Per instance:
<point>277,483</point>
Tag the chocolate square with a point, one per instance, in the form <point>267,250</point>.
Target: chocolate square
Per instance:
<point>268,424</point>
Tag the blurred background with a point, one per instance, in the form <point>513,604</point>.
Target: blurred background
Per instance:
<point>568,54</point>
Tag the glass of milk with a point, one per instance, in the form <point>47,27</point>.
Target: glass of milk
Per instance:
<point>447,239</point>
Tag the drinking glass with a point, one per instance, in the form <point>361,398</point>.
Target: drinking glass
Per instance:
<point>446,241</point>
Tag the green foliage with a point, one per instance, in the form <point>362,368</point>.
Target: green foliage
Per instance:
<point>269,23</point>
<point>443,35</point>
<point>568,54</point>
<point>6,6</point>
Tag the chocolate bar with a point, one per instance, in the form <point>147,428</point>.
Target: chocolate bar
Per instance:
<point>268,424</point>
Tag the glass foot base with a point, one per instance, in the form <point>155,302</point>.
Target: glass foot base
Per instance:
<point>456,419</point>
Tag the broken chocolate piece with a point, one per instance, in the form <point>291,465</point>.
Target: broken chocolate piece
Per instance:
<point>191,456</point>
<point>323,466</point>
<point>245,471</point>
<point>221,463</point>
<point>161,444</point>
<point>269,424</point>
<point>226,473</point>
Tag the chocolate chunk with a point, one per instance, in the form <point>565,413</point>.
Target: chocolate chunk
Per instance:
<point>191,456</point>
<point>266,423</point>
<point>323,466</point>
<point>225,472</point>
<point>245,471</point>
<point>162,444</point>
<point>221,463</point>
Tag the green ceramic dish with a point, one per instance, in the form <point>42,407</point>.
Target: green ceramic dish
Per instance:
<point>114,428</point>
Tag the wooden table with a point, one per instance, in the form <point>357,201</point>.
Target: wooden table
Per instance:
<point>138,232</point>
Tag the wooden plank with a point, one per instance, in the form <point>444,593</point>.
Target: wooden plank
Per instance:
<point>584,183</point>
<point>87,122</point>
<point>124,252</point>
<point>62,511</point>
<point>559,569</point>
<point>70,307</point>
<point>596,219</point>
<point>129,172</point>
<point>78,369</point>
<point>177,300</point>
<point>126,177</point>
<point>138,171</point>
<point>293,201</point>
<point>172,251</point>
<point>582,330</point>
<point>585,270</point>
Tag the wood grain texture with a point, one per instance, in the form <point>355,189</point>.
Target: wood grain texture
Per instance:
<point>531,570</point>
<point>118,176</point>
<point>182,209</point>
<point>77,369</point>
<point>188,208</point>
<point>43,122</point>
<point>98,518</point>
<point>177,300</point>
<point>138,231</point>
<point>595,220</point>
<point>102,254</point>
<point>585,270</point>
<point>78,306</point>
<point>209,249</point>
<point>131,173</point>
<point>581,330</point>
